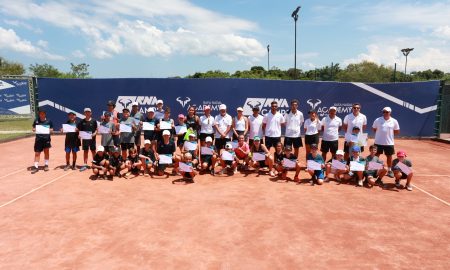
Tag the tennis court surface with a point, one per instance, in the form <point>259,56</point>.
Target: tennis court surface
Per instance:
<point>63,220</point>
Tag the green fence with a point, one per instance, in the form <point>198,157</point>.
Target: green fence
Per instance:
<point>443,115</point>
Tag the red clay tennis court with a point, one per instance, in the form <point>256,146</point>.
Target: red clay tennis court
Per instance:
<point>63,220</point>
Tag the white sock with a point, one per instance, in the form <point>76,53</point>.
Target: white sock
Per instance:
<point>389,169</point>
<point>46,162</point>
<point>36,164</point>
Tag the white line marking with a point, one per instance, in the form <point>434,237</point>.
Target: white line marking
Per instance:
<point>34,189</point>
<point>14,172</point>
<point>431,195</point>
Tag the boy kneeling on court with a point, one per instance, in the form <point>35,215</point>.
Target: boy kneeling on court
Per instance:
<point>288,163</point>
<point>147,156</point>
<point>100,163</point>
<point>316,174</point>
<point>116,163</point>
<point>356,172</point>
<point>187,168</point>
<point>208,156</point>
<point>133,163</point>
<point>228,163</point>
<point>402,170</point>
<point>378,172</point>
<point>338,167</point>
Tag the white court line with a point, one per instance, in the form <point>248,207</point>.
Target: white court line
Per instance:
<point>14,172</point>
<point>431,195</point>
<point>34,189</point>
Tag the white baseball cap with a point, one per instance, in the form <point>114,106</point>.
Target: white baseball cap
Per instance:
<point>151,109</point>
<point>87,110</point>
<point>100,148</point>
<point>222,107</point>
<point>340,152</point>
<point>166,132</point>
<point>159,101</point>
<point>239,109</point>
<point>228,146</point>
<point>192,135</point>
<point>147,142</point>
<point>388,109</point>
<point>208,139</point>
<point>332,108</point>
<point>134,104</point>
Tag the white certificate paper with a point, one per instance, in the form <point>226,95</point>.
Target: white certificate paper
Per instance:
<point>137,121</point>
<point>184,167</point>
<point>165,125</point>
<point>362,139</point>
<point>407,170</point>
<point>351,138</point>
<point>338,165</point>
<point>206,151</point>
<point>289,163</point>
<point>372,166</point>
<point>103,130</point>
<point>313,165</point>
<point>148,126</point>
<point>163,159</point>
<point>68,128</point>
<point>86,135</point>
<point>356,166</point>
<point>190,146</point>
<point>180,130</point>
<point>226,156</point>
<point>42,129</point>
<point>125,128</point>
<point>259,156</point>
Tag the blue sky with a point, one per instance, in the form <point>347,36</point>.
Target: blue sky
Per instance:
<point>163,38</point>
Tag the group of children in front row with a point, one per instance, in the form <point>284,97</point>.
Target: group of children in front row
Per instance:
<point>240,156</point>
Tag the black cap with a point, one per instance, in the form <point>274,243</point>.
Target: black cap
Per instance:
<point>356,127</point>
<point>111,103</point>
<point>256,108</point>
<point>288,147</point>
<point>41,110</point>
<point>312,111</point>
<point>107,114</point>
<point>125,109</point>
<point>115,149</point>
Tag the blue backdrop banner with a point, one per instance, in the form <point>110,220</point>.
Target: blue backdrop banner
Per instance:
<point>413,104</point>
<point>14,97</point>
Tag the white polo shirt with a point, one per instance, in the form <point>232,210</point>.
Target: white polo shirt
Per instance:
<point>331,128</point>
<point>312,127</point>
<point>255,126</point>
<point>294,124</point>
<point>222,123</point>
<point>385,130</point>
<point>206,124</point>
<point>351,121</point>
<point>273,124</point>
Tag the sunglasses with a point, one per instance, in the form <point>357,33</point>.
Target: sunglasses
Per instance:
<point>356,108</point>
<point>385,112</point>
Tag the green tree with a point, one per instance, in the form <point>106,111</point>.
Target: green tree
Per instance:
<point>79,71</point>
<point>45,70</point>
<point>365,72</point>
<point>10,68</point>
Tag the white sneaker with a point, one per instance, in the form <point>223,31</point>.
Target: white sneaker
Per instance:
<point>409,188</point>
<point>360,183</point>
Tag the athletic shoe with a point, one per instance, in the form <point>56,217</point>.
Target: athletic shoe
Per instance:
<point>213,172</point>
<point>390,174</point>
<point>326,179</point>
<point>83,168</point>
<point>379,182</point>
<point>360,183</point>
<point>34,170</point>
<point>409,187</point>
<point>46,168</point>
<point>94,177</point>
<point>397,183</point>
<point>66,168</point>
<point>73,167</point>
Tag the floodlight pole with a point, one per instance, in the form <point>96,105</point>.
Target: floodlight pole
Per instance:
<point>268,63</point>
<point>295,17</point>
<point>405,52</point>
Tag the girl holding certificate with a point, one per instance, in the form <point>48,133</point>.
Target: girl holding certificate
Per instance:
<point>315,165</point>
<point>312,128</point>
<point>338,167</point>
<point>166,123</point>
<point>261,156</point>
<point>208,156</point>
<point>402,170</point>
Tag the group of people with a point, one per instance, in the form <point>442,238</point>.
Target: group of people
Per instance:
<point>231,143</point>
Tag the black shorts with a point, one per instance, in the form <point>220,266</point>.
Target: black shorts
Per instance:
<point>180,140</point>
<point>40,145</point>
<point>116,140</point>
<point>126,146</point>
<point>388,150</point>
<point>239,132</point>
<point>89,144</point>
<point>372,173</point>
<point>346,150</point>
<point>329,146</point>
<point>272,141</point>
<point>150,136</point>
<point>220,143</point>
<point>312,139</point>
<point>137,138</point>
<point>207,159</point>
<point>203,136</point>
<point>296,142</point>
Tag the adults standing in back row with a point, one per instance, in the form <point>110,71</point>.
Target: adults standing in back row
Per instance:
<point>331,124</point>
<point>294,120</point>
<point>222,123</point>
<point>356,118</point>
<point>272,122</point>
<point>385,128</point>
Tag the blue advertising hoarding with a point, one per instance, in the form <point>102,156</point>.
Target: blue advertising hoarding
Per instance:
<point>14,97</point>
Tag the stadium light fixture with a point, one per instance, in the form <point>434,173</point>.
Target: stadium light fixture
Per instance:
<point>295,17</point>
<point>405,52</point>
<point>268,63</point>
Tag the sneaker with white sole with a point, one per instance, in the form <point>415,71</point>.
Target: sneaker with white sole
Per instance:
<point>360,183</point>
<point>66,168</point>
<point>46,168</point>
<point>34,170</point>
<point>409,188</point>
<point>83,168</point>
<point>390,174</point>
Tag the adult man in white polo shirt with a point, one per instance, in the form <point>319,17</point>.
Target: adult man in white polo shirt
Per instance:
<point>385,128</point>
<point>271,127</point>
<point>159,112</point>
<point>222,124</point>
<point>255,125</point>
<point>356,118</point>
<point>294,121</point>
<point>331,125</point>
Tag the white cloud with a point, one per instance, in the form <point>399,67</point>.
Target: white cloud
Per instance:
<point>42,43</point>
<point>9,40</point>
<point>18,23</point>
<point>78,54</point>
<point>442,32</point>
<point>164,28</point>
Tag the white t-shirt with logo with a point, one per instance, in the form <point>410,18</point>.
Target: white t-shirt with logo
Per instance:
<point>312,127</point>
<point>351,121</point>
<point>294,124</point>
<point>255,126</point>
<point>331,128</point>
<point>222,123</point>
<point>206,124</point>
<point>385,130</point>
<point>273,124</point>
<point>239,125</point>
